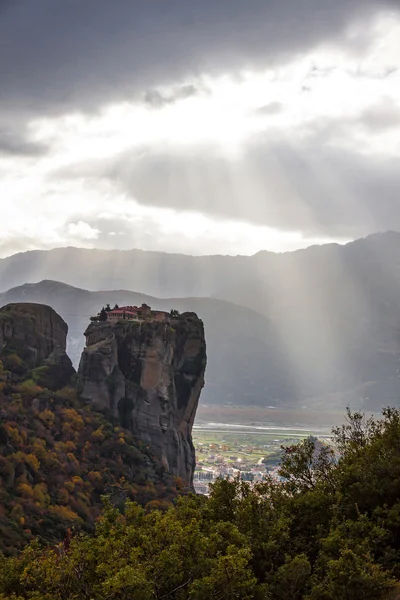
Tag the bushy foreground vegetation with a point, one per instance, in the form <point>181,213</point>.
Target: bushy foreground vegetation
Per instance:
<point>330,531</point>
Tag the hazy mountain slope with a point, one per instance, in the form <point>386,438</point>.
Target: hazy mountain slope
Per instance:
<point>165,275</point>
<point>155,273</point>
<point>246,363</point>
<point>340,314</point>
<point>324,325</point>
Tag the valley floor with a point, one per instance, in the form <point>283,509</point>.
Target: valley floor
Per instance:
<point>229,440</point>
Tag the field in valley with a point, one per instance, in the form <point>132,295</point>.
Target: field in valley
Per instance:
<point>251,438</point>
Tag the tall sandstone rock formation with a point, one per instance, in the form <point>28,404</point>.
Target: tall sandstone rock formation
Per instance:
<point>149,375</point>
<point>35,327</point>
<point>37,336</point>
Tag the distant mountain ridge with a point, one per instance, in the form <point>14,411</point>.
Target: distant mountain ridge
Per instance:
<point>239,340</point>
<point>166,275</point>
<point>315,327</point>
<point>153,273</point>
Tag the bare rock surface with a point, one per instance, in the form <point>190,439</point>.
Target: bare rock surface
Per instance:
<point>32,332</point>
<point>149,375</point>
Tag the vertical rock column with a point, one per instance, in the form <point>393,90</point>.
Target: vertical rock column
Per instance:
<point>149,375</point>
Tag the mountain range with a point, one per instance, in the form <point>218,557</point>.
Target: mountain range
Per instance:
<point>316,327</point>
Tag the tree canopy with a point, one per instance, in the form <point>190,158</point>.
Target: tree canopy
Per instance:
<point>328,531</point>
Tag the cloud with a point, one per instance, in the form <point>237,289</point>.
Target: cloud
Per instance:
<point>156,99</point>
<point>16,242</point>
<point>382,116</point>
<point>126,226</point>
<point>87,54</point>
<point>272,108</point>
<point>298,185</point>
<point>83,231</point>
<point>13,143</point>
<point>236,116</point>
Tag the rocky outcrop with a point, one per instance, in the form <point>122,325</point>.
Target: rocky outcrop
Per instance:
<point>33,332</point>
<point>149,375</point>
<point>56,372</point>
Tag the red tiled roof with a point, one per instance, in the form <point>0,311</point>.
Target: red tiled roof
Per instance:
<point>120,311</point>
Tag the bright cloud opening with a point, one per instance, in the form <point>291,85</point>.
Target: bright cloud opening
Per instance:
<point>325,98</point>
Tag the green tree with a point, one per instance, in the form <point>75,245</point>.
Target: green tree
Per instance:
<point>103,314</point>
<point>292,579</point>
<point>352,577</point>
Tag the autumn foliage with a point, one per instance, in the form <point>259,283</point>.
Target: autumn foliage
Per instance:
<point>57,457</point>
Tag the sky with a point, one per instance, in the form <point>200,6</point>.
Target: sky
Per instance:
<point>220,126</point>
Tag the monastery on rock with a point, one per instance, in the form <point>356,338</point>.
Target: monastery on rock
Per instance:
<point>135,313</point>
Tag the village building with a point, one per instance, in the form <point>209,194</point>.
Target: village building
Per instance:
<point>125,313</point>
<point>137,313</point>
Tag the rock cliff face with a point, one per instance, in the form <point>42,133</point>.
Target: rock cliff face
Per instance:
<point>36,334</point>
<point>149,375</point>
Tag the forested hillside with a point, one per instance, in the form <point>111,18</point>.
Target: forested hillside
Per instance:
<point>57,457</point>
<point>328,531</point>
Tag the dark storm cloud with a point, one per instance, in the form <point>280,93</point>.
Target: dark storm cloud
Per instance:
<point>16,144</point>
<point>58,55</point>
<point>156,99</point>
